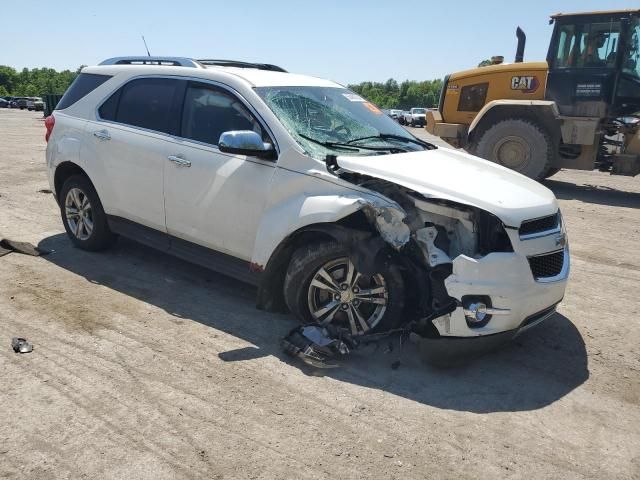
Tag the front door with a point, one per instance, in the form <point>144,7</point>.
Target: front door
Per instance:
<point>212,198</point>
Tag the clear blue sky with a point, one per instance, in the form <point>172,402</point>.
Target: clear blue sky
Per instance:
<point>347,41</point>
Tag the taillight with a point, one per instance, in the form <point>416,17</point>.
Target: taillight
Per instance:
<point>49,122</point>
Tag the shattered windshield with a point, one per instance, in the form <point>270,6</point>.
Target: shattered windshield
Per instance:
<point>333,120</point>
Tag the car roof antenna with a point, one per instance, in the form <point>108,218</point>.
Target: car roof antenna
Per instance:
<point>145,45</point>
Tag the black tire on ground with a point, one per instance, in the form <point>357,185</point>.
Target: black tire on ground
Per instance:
<point>101,236</point>
<point>518,144</point>
<point>305,264</point>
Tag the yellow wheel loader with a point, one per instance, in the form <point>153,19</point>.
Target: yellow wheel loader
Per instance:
<point>580,109</point>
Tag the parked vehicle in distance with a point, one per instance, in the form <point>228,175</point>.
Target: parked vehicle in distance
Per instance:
<point>303,188</point>
<point>401,117</point>
<point>395,114</point>
<point>23,103</point>
<point>415,117</point>
<point>36,104</point>
<point>4,103</point>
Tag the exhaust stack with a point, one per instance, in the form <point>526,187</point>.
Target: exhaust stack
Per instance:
<point>522,40</point>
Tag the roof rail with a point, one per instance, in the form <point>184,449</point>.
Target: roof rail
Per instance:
<point>164,61</point>
<point>241,64</point>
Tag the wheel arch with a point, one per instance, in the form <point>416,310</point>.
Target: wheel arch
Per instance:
<point>542,112</point>
<point>270,295</point>
<point>65,170</point>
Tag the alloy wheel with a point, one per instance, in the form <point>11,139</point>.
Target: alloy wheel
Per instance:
<point>341,295</point>
<point>79,214</point>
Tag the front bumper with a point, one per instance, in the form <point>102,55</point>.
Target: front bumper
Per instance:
<point>450,351</point>
<point>506,278</point>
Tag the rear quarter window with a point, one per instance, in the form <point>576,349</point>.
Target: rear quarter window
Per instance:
<point>81,86</point>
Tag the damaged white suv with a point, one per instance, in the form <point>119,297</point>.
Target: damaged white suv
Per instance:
<point>306,190</point>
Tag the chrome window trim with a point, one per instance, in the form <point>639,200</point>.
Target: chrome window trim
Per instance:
<point>213,83</point>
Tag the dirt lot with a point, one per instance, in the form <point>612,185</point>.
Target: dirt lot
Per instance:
<point>148,367</point>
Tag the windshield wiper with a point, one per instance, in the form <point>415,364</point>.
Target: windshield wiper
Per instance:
<point>391,136</point>
<point>349,147</point>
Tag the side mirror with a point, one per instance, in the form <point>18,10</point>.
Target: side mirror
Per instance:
<point>245,142</point>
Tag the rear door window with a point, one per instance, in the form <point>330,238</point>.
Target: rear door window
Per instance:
<point>84,84</point>
<point>145,103</point>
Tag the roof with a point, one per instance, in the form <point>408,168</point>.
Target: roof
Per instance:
<point>266,78</point>
<point>256,77</point>
<point>601,12</point>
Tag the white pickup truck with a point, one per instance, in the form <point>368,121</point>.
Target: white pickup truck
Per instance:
<point>416,117</point>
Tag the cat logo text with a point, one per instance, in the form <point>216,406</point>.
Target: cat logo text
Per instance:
<point>525,84</point>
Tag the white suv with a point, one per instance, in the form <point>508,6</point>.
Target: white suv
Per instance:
<point>308,191</point>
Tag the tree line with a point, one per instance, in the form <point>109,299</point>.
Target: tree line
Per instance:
<point>404,96</point>
<point>34,82</point>
<point>390,94</point>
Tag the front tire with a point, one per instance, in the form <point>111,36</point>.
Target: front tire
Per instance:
<point>322,286</point>
<point>83,216</point>
<point>518,144</point>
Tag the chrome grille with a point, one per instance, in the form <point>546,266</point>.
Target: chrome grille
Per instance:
<point>538,225</point>
<point>548,265</point>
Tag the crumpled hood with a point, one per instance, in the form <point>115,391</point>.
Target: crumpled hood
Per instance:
<point>457,176</point>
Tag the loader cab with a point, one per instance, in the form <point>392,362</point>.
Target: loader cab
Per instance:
<point>594,69</point>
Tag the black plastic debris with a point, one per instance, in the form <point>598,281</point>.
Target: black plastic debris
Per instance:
<point>315,345</point>
<point>8,246</point>
<point>20,345</point>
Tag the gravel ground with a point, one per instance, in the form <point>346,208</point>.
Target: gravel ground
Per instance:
<point>145,366</point>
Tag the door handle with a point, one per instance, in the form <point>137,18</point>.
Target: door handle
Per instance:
<point>102,135</point>
<point>179,161</point>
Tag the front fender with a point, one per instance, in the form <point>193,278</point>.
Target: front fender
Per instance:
<point>283,219</point>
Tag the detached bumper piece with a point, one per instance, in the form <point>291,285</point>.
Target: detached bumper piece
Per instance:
<point>319,346</point>
<point>315,345</point>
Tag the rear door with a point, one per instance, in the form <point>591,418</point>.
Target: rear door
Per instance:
<point>129,146</point>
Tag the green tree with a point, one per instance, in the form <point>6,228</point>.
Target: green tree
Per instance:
<point>34,82</point>
<point>405,95</point>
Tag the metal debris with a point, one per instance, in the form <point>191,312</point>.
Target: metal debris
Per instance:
<point>20,345</point>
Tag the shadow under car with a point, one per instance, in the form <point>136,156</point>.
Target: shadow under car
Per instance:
<point>530,372</point>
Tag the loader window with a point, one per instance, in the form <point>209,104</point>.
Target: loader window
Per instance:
<point>472,97</point>
<point>631,62</point>
<point>589,45</point>
<point>566,43</point>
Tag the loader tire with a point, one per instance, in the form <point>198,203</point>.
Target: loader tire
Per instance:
<point>518,144</point>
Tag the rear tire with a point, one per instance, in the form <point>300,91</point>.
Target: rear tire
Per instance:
<point>306,288</point>
<point>551,172</point>
<point>83,216</point>
<point>518,144</point>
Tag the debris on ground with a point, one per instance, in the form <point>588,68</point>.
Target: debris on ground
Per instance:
<point>20,345</point>
<point>45,190</point>
<point>316,345</point>
<point>7,246</point>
